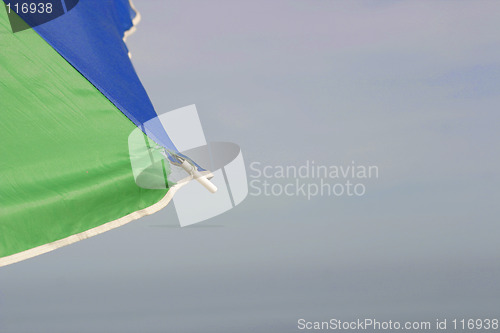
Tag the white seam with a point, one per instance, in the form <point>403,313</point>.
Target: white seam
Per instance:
<point>42,249</point>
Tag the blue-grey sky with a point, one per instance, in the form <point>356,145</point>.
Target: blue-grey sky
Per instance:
<point>409,86</point>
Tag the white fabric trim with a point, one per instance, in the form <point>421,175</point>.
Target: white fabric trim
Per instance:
<point>135,22</point>
<point>42,249</point>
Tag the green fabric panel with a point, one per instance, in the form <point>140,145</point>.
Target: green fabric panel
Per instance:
<point>64,162</point>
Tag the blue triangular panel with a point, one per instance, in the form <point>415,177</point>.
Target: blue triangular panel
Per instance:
<point>90,37</point>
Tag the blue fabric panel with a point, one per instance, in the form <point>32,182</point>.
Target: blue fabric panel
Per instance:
<point>90,37</point>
